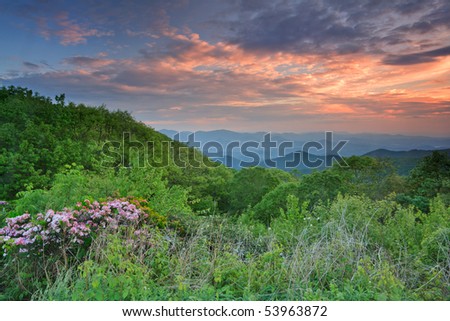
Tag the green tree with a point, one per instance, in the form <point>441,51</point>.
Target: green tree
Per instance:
<point>430,178</point>
<point>364,172</point>
<point>249,185</point>
<point>270,205</point>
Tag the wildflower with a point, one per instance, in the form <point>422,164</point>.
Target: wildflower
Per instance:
<point>67,226</point>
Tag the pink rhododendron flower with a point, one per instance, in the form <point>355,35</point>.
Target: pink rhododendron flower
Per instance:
<point>67,226</point>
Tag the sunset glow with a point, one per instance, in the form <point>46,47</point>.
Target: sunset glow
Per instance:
<point>355,66</point>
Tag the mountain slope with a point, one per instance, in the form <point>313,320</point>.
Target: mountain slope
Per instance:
<point>39,138</point>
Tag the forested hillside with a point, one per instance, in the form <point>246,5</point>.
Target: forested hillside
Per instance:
<point>404,161</point>
<point>94,207</point>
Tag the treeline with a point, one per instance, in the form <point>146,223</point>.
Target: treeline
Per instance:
<point>208,232</point>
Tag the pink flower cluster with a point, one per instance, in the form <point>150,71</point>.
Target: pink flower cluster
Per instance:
<point>68,227</point>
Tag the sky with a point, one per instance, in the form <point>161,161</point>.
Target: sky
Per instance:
<point>244,65</point>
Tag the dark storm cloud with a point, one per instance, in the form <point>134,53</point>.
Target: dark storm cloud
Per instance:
<point>336,26</point>
<point>417,58</point>
<point>409,7</point>
<point>420,27</point>
<point>82,61</point>
<point>30,65</point>
<point>302,28</point>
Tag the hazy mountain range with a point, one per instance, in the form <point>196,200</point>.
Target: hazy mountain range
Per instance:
<point>405,151</point>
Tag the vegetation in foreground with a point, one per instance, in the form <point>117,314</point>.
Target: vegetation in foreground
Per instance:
<point>72,229</point>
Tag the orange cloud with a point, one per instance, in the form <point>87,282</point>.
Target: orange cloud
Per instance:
<point>71,33</point>
<point>214,84</point>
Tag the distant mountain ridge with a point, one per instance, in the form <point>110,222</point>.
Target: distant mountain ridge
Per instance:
<point>404,151</point>
<point>413,153</point>
<point>358,144</point>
